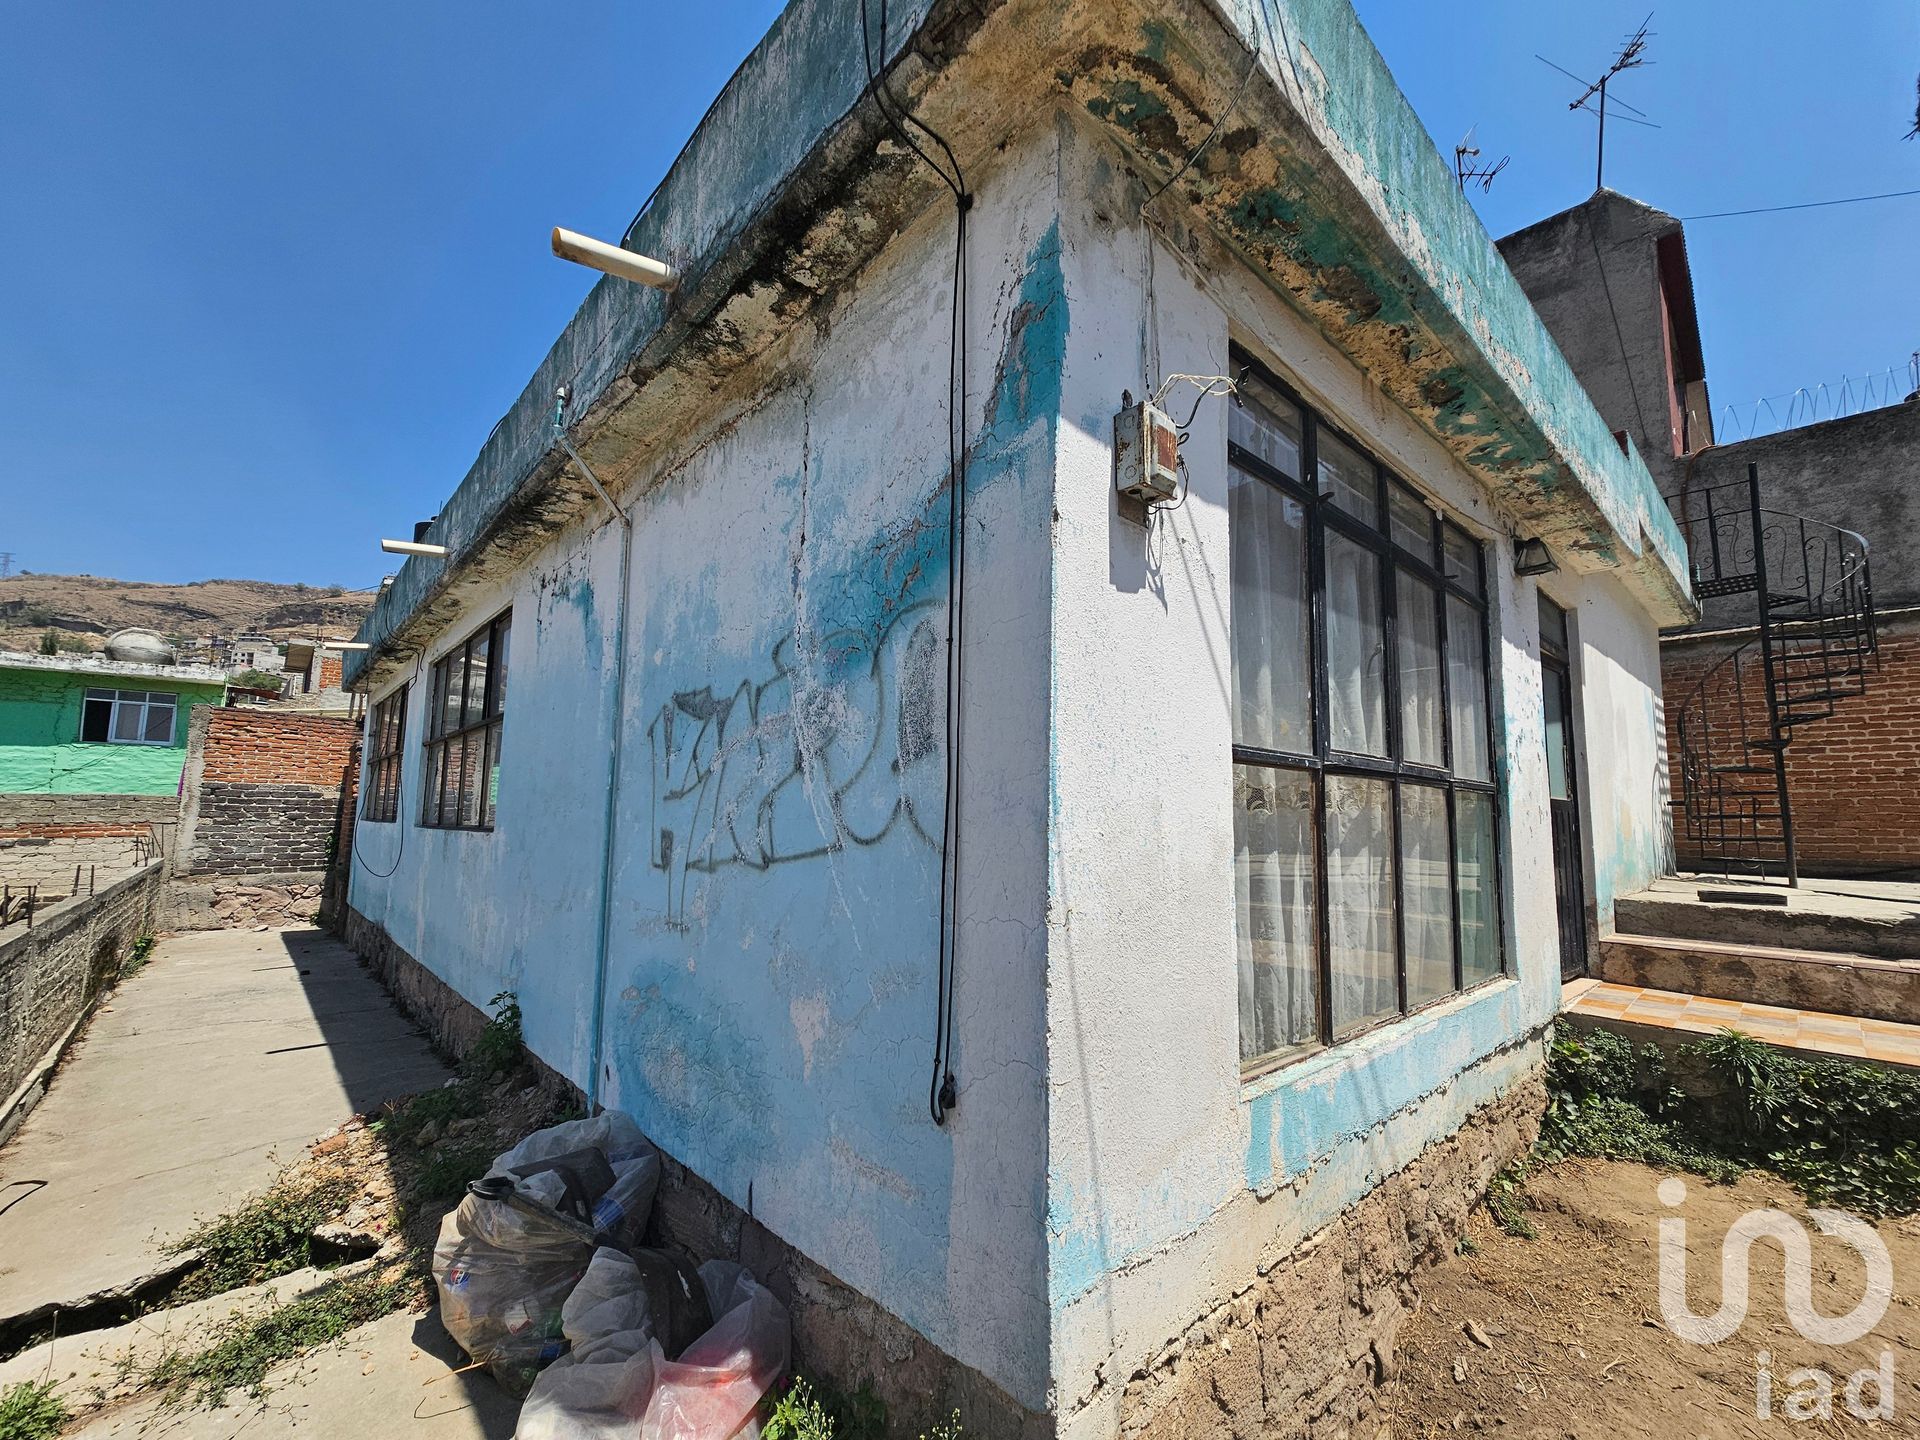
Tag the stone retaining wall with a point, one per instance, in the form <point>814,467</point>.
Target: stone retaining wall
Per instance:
<point>51,974</point>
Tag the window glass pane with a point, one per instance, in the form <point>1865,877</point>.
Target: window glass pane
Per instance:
<point>1474,859</point>
<point>127,720</point>
<point>1356,649</point>
<point>99,694</point>
<point>497,700</point>
<point>476,678</point>
<point>430,787</point>
<point>159,727</point>
<point>1360,901</point>
<point>493,774</point>
<point>1275,900</point>
<point>1559,752</point>
<point>437,783</point>
<point>1267,423</point>
<point>1417,628</point>
<point>1272,701</point>
<point>1410,521</point>
<point>1347,478</point>
<point>1553,627</point>
<point>455,678</point>
<point>473,762</point>
<point>1462,558</point>
<point>1467,689</point>
<point>1426,892</point>
<point>450,782</point>
<point>96,718</point>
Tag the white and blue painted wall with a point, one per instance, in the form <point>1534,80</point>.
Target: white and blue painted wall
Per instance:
<point>767,994</point>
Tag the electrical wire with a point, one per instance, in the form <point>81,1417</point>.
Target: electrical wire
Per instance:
<point>942,1087</point>
<point>1804,205</point>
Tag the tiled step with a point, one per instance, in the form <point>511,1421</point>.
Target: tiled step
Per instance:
<point>1642,1013</point>
<point>1821,981</point>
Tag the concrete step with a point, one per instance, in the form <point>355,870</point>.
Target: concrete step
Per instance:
<point>1674,1019</point>
<point>1827,982</point>
<point>1875,919</point>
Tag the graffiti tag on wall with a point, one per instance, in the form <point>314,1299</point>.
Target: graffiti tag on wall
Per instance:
<point>840,745</point>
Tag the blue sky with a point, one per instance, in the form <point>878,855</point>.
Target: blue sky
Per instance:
<point>271,272</point>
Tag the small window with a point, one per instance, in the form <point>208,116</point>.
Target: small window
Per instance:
<point>464,722</point>
<point>129,717</point>
<point>384,736</point>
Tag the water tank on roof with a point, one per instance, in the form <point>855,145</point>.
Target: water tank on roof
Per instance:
<point>145,647</point>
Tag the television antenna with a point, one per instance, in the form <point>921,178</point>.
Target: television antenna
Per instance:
<point>1631,57</point>
<point>1464,168</point>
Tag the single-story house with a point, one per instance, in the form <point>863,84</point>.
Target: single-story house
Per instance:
<point>1098,1020</point>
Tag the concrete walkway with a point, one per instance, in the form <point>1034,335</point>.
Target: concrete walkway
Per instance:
<point>196,1082</point>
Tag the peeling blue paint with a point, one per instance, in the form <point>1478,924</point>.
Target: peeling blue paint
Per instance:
<point>772,957</point>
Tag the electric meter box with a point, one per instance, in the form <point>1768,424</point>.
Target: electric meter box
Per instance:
<point>1146,454</point>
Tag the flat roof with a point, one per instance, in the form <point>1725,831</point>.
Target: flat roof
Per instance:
<point>101,666</point>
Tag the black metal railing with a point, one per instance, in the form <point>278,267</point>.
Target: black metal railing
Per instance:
<point>1813,640</point>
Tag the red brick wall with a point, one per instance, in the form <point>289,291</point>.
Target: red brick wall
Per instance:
<point>329,672</point>
<point>1853,780</point>
<point>261,746</point>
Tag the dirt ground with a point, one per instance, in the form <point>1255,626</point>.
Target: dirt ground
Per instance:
<point>1563,1335</point>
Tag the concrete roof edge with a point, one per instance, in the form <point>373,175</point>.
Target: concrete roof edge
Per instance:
<point>810,68</point>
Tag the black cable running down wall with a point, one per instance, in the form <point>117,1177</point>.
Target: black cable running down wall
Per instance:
<point>942,1088</point>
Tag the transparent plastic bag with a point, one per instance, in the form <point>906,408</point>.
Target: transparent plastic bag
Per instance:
<point>620,1385</point>
<point>504,1276</point>
<point>713,1390</point>
<point>620,1215</point>
<point>506,1263</point>
<point>599,1389</point>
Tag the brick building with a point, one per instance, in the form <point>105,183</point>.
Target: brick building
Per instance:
<point>1611,278</point>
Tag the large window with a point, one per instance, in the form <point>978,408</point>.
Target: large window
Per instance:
<point>1364,808</point>
<point>129,717</point>
<point>467,699</point>
<point>388,729</point>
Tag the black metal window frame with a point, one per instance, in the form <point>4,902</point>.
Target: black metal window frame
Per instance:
<point>1323,516</point>
<point>446,802</point>
<point>101,711</point>
<point>386,739</point>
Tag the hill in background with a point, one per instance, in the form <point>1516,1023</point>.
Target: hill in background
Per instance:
<point>83,610</point>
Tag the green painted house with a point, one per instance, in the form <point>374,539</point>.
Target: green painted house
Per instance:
<point>83,724</point>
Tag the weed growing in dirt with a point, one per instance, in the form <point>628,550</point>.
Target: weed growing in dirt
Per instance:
<point>1506,1202</point>
<point>269,1235</point>
<point>31,1411</point>
<point>797,1415</point>
<point>501,1045</point>
<point>1606,1099</point>
<point>813,1410</point>
<point>446,1172</point>
<point>245,1348</point>
<point>1841,1133</point>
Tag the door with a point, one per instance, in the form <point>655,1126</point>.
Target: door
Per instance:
<point>1563,792</point>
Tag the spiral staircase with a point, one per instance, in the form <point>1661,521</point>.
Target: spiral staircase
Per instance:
<point>1812,644</point>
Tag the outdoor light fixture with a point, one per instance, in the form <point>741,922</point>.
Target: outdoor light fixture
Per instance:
<point>613,260</point>
<point>411,547</point>
<point>1531,557</point>
<point>345,645</point>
